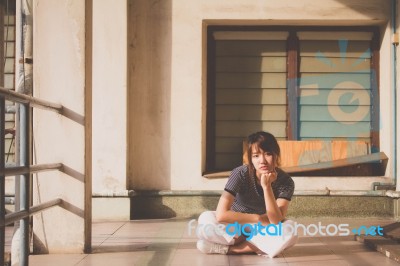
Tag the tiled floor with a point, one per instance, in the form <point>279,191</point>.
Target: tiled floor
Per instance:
<point>167,242</point>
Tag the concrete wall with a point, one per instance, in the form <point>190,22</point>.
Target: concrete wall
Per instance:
<point>167,81</point>
<point>150,207</point>
<point>149,98</point>
<point>397,25</point>
<point>149,87</point>
<point>59,71</point>
<point>109,97</point>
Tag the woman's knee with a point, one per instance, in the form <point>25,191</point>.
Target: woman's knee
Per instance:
<point>207,217</point>
<point>292,241</point>
<point>292,236</point>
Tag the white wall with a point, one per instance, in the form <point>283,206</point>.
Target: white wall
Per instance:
<point>59,76</point>
<point>167,81</point>
<point>398,97</point>
<point>109,97</point>
<point>386,98</point>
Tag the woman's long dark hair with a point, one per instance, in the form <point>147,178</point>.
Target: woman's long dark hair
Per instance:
<point>265,141</point>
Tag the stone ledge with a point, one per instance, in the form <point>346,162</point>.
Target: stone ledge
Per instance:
<point>154,205</point>
<point>387,247</point>
<point>325,192</point>
<point>131,204</point>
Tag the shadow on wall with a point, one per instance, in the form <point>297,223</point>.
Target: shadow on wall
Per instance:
<point>150,207</point>
<point>370,9</point>
<point>40,245</point>
<point>159,205</point>
<point>242,83</point>
<point>149,94</point>
<point>237,89</point>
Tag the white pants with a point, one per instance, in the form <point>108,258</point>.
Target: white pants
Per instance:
<point>208,229</point>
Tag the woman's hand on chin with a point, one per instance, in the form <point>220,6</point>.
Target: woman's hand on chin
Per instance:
<point>267,178</point>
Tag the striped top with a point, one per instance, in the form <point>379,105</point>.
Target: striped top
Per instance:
<point>249,195</point>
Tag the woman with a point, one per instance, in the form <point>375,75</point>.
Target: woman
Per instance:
<point>256,193</point>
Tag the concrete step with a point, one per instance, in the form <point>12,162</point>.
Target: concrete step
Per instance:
<point>388,244</point>
<point>184,204</point>
<point>392,231</point>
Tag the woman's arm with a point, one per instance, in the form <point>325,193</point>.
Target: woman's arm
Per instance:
<point>226,215</point>
<point>276,209</point>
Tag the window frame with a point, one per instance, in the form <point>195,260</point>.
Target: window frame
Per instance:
<point>293,67</point>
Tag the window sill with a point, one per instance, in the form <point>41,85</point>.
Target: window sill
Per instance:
<point>215,175</point>
<point>367,165</point>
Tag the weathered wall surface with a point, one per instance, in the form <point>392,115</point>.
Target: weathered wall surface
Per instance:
<point>59,71</point>
<point>167,81</point>
<point>149,97</point>
<point>397,25</point>
<point>109,97</point>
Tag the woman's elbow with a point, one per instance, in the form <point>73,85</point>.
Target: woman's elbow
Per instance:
<point>276,219</point>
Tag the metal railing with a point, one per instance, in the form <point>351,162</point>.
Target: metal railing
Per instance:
<point>25,170</point>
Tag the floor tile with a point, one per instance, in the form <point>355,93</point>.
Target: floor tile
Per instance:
<point>98,240</point>
<point>56,259</point>
<point>151,258</point>
<point>340,249</point>
<point>106,228</point>
<point>323,262</point>
<point>312,258</point>
<point>237,260</point>
<point>367,258</point>
<point>309,253</point>
<point>187,244</point>
<point>168,242</point>
<point>122,246</point>
<point>185,258</point>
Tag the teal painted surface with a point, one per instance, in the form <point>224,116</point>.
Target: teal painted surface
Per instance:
<point>334,129</point>
<point>335,105</point>
<point>331,48</point>
<point>344,97</point>
<point>329,81</point>
<point>321,113</point>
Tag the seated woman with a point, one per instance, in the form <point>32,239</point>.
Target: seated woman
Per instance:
<point>257,192</point>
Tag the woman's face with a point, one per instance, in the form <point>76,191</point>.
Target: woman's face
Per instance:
<point>262,161</point>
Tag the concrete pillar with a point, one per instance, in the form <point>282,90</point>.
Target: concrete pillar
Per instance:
<point>109,97</point>
<point>149,96</point>
<point>397,131</point>
<point>59,58</point>
<point>109,110</point>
